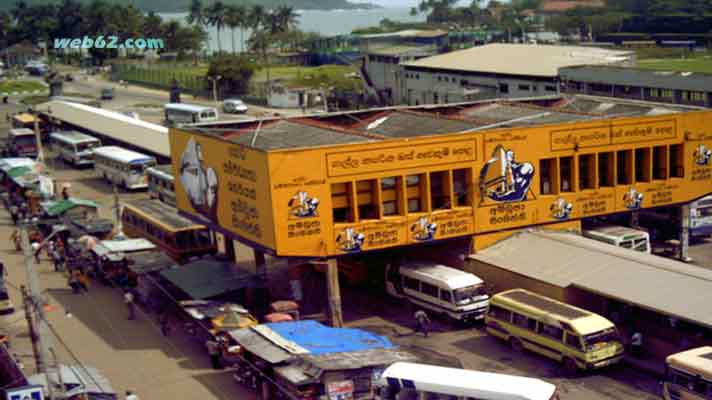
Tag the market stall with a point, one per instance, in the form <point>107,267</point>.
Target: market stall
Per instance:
<point>110,265</point>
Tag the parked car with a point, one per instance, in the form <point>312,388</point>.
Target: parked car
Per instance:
<point>234,106</point>
<point>107,94</point>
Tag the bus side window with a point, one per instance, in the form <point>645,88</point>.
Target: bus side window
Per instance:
<point>552,332</point>
<point>500,313</point>
<point>412,284</point>
<point>573,340</point>
<point>445,295</point>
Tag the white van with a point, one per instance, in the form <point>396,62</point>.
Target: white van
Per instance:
<point>75,147</point>
<point>459,294</point>
<point>620,236</point>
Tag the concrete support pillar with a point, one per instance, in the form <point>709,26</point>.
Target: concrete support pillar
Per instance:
<point>260,263</point>
<point>684,232</point>
<point>230,248</point>
<point>332,284</point>
<point>634,220</point>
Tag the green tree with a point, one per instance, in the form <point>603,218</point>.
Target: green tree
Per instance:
<point>287,17</point>
<point>5,27</point>
<point>235,72</point>
<point>232,21</point>
<point>196,13</point>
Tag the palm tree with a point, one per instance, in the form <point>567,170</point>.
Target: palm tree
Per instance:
<point>196,15</point>
<point>288,18</point>
<point>233,19</point>
<point>256,18</point>
<point>216,18</point>
<point>18,12</point>
<point>243,23</point>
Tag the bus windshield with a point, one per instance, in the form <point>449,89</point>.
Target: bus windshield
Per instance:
<point>139,168</point>
<point>467,294</point>
<point>704,211</point>
<point>600,338</point>
<point>25,140</point>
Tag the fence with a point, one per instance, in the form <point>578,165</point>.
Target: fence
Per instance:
<point>161,77</point>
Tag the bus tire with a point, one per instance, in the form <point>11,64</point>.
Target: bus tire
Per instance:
<point>570,367</point>
<point>516,344</point>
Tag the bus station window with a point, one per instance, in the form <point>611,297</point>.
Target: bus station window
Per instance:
<point>548,175</point>
<point>606,170</point>
<point>414,187</point>
<point>624,167</point>
<point>587,171</point>
<point>440,190</point>
<point>677,165</point>
<point>460,185</point>
<point>367,203</point>
<point>660,162</point>
<point>642,165</point>
<point>390,188</point>
<point>566,174</point>
<point>341,202</point>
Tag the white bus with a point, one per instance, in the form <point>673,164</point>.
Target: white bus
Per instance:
<point>410,381</point>
<point>179,113</point>
<point>459,294</point>
<point>161,185</point>
<point>701,217</point>
<point>75,147</point>
<point>122,167</point>
<point>620,236</point>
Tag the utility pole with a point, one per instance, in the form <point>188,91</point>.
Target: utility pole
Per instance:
<point>117,207</point>
<point>214,80</point>
<point>29,313</point>
<point>38,137</point>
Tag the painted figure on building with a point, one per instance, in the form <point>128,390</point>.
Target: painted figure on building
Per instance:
<point>632,199</point>
<point>504,179</point>
<point>350,241</point>
<point>561,209</point>
<point>303,206</point>
<point>200,182</point>
<point>424,230</point>
<point>702,155</point>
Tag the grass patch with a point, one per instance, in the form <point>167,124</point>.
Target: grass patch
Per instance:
<point>312,77</point>
<point>694,64</point>
<point>34,100</point>
<point>20,86</point>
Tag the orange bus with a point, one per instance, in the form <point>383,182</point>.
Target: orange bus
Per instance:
<point>160,223</point>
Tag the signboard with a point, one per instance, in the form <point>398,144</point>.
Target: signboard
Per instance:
<point>34,392</point>
<point>340,390</point>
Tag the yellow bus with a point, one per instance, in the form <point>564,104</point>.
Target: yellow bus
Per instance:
<point>689,375</point>
<point>577,338</point>
<point>160,223</point>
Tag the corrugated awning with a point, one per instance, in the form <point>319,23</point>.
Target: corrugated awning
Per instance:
<point>566,260</point>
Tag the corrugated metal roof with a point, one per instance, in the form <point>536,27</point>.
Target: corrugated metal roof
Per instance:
<point>358,359</point>
<point>143,263</point>
<point>123,246</point>
<point>206,278</point>
<point>520,59</point>
<point>648,281</point>
<point>639,77</point>
<point>290,134</point>
<point>164,213</point>
<point>260,346</point>
<point>397,50</point>
<point>117,126</point>
<point>409,124</point>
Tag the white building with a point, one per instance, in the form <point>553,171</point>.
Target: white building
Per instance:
<point>496,71</point>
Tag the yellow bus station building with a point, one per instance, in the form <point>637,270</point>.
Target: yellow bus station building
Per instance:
<point>324,186</point>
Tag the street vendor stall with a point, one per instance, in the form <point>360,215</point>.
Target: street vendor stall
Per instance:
<point>307,360</point>
<point>71,207</point>
<point>146,266</point>
<point>80,383</point>
<point>110,265</point>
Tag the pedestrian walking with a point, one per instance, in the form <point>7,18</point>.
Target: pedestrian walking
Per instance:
<point>214,352</point>
<point>57,259</point>
<point>422,322</point>
<point>14,213</point>
<point>636,344</point>
<point>163,322</point>
<point>15,237</point>
<point>129,300</point>
<point>73,282</point>
<point>131,396</point>
<point>65,192</point>
<point>36,251</point>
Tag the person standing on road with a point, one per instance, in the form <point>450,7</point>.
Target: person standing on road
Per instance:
<point>163,322</point>
<point>214,352</point>
<point>36,251</point>
<point>129,300</point>
<point>14,213</point>
<point>636,344</point>
<point>56,258</point>
<point>422,322</point>
<point>74,281</point>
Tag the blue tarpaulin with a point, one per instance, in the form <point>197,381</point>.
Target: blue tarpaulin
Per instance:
<point>321,339</point>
